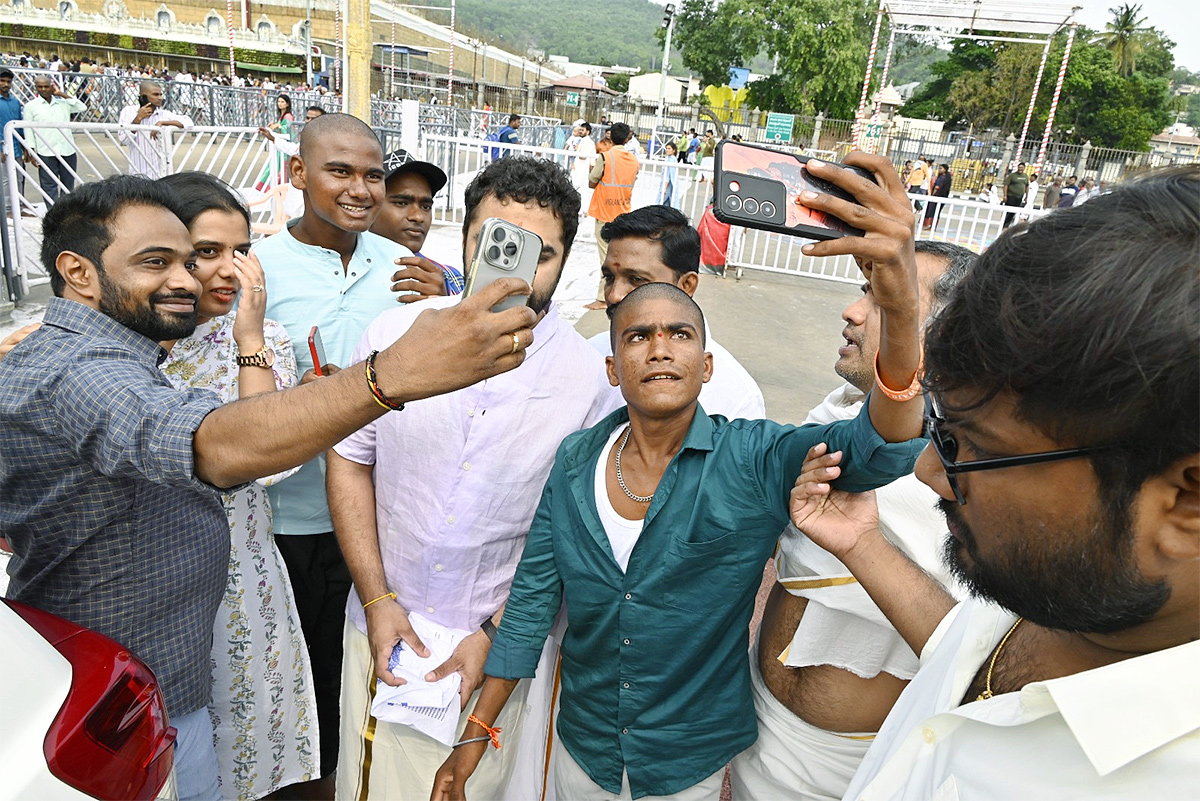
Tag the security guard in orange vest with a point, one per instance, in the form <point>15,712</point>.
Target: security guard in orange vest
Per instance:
<point>612,179</point>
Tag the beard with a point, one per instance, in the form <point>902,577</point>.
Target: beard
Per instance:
<point>118,304</point>
<point>1083,581</point>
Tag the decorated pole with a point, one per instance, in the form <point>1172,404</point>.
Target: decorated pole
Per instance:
<point>229,26</point>
<point>392,67</point>
<point>883,78</point>
<point>1037,85</point>
<point>337,38</point>
<point>862,101</point>
<point>450,65</point>
<point>1062,74</point>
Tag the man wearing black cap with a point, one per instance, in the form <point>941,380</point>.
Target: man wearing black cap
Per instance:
<point>405,217</point>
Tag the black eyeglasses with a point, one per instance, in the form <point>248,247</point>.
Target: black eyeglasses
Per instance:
<point>946,447</point>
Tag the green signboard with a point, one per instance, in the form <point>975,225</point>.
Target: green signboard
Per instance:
<point>572,98</point>
<point>779,127</point>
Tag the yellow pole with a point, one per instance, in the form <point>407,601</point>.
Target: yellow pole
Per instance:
<point>359,46</point>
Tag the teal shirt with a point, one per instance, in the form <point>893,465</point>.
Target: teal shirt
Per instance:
<point>655,677</point>
<point>307,286</point>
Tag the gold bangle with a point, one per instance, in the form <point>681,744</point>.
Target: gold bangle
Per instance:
<point>391,595</point>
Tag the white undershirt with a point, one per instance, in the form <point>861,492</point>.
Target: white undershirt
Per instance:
<point>622,533</point>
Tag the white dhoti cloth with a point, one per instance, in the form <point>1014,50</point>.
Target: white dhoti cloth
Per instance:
<point>572,782</point>
<point>793,759</point>
<point>390,761</point>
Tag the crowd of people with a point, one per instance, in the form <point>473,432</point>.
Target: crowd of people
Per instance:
<point>359,569</point>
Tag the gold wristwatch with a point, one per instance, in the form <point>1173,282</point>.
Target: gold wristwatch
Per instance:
<point>265,357</point>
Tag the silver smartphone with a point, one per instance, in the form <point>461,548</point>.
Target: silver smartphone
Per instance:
<point>504,250</point>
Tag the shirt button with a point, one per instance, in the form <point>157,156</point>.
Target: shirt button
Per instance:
<point>438,568</point>
<point>466,465</point>
<point>928,735</point>
<point>368,261</point>
<point>626,641</point>
<point>450,520</point>
<point>352,275</point>
<point>624,731</point>
<point>628,596</point>
<point>429,609</point>
<point>470,412</point>
<point>626,685</point>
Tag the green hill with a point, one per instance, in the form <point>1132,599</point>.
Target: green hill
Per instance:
<point>609,32</point>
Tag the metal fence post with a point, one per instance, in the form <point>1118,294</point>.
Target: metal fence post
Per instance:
<point>816,137</point>
<point>1084,153</point>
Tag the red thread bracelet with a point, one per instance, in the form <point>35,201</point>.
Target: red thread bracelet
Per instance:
<point>909,392</point>
<point>494,733</point>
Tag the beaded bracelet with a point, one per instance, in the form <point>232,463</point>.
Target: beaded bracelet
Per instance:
<point>909,392</point>
<point>373,385</point>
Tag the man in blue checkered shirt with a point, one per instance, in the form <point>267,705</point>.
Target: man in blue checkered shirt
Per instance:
<point>110,478</point>
<point>405,218</point>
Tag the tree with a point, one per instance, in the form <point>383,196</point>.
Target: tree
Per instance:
<point>1125,36</point>
<point>820,47</point>
<point>619,83</point>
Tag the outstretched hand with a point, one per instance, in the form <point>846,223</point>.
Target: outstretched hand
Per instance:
<point>837,521</point>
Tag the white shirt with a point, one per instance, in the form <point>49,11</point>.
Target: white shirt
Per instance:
<point>458,477</point>
<point>48,142</point>
<point>731,392</point>
<point>144,150</point>
<point>1130,730</point>
<point>622,532</point>
<point>841,625</point>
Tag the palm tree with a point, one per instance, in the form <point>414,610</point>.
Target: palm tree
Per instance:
<point>1125,36</point>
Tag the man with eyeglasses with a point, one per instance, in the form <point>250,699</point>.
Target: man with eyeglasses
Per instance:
<point>1063,410</point>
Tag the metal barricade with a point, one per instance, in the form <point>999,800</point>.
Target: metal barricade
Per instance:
<point>238,156</point>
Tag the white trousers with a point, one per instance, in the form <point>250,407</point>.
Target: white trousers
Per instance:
<point>571,783</point>
<point>792,758</point>
<point>381,760</point>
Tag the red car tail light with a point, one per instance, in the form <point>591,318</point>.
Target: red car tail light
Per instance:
<point>111,738</point>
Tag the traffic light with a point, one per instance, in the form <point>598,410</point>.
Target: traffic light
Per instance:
<point>668,12</point>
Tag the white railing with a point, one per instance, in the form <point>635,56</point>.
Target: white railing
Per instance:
<point>238,156</point>
<point>251,165</point>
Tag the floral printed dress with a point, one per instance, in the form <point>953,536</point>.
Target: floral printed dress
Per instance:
<point>263,709</point>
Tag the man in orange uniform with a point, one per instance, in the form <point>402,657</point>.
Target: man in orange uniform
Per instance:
<point>612,179</point>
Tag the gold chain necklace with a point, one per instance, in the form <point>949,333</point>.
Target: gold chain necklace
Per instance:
<point>987,690</point>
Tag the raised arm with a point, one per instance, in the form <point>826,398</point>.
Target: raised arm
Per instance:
<point>444,350</point>
<point>887,258</point>
<point>847,525</point>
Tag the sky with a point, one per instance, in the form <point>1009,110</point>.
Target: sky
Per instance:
<point>1179,19</point>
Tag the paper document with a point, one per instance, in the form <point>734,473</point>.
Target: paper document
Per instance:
<point>431,708</point>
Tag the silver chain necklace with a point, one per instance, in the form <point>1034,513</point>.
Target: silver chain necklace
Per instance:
<point>620,480</point>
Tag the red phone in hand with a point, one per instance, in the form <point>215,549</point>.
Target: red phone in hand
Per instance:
<point>317,350</point>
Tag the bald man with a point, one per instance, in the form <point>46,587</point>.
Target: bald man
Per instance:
<point>326,269</point>
<point>145,152</point>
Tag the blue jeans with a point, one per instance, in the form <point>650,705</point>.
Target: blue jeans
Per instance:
<point>195,758</point>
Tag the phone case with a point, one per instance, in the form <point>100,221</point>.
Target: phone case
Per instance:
<point>317,350</point>
<point>504,250</point>
<point>759,187</point>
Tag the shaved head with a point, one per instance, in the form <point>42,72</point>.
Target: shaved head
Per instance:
<point>621,313</point>
<point>337,126</point>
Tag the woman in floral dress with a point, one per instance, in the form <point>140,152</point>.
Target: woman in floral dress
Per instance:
<point>263,708</point>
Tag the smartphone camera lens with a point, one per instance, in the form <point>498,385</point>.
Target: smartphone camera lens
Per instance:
<point>733,202</point>
<point>510,249</point>
<point>499,234</point>
<point>493,253</point>
<point>750,206</point>
<point>767,208</point>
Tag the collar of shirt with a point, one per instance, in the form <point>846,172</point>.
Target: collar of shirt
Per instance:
<point>74,316</point>
<point>1117,713</point>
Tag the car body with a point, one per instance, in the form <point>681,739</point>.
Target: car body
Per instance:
<point>83,717</point>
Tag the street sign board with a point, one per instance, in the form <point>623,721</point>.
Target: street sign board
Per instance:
<point>779,127</point>
<point>572,98</point>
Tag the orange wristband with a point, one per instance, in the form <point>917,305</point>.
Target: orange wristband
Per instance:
<point>494,733</point>
<point>908,393</point>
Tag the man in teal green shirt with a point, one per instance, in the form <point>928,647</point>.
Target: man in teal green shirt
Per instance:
<point>654,527</point>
